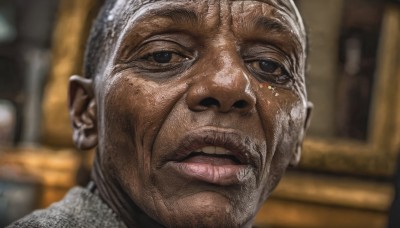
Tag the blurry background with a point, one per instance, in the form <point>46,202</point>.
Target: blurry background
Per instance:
<point>349,157</point>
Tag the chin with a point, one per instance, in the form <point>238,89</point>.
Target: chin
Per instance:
<point>208,209</point>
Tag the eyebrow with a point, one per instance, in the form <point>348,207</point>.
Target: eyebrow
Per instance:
<point>267,24</point>
<point>179,15</point>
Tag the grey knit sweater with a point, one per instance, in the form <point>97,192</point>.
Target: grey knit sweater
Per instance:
<point>79,208</point>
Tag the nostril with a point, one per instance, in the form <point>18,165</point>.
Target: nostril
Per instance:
<point>209,101</point>
<point>240,104</point>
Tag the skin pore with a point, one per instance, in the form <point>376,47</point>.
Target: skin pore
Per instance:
<point>196,110</point>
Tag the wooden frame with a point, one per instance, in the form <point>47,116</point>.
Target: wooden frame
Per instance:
<point>376,157</point>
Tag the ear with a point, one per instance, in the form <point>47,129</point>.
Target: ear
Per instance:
<point>297,153</point>
<point>82,111</point>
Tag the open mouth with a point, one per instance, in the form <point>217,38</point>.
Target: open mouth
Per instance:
<point>221,157</point>
<point>213,155</point>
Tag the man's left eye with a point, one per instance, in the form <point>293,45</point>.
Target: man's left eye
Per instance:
<point>269,70</point>
<point>270,67</point>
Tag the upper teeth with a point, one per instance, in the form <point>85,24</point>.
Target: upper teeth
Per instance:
<point>213,150</point>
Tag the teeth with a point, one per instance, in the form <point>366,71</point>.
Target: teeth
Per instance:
<point>208,149</point>
<point>220,150</point>
<point>213,150</point>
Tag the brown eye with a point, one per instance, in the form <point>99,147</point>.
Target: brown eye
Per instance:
<point>165,57</point>
<point>162,57</point>
<point>269,67</point>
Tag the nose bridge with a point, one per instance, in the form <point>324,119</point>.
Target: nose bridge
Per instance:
<point>228,76</point>
<point>224,85</point>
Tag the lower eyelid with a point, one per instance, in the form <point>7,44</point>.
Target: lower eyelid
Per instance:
<point>263,76</point>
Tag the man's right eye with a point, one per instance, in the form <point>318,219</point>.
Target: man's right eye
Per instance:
<point>165,57</point>
<point>162,57</point>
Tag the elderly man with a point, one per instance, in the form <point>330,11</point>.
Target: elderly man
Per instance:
<point>196,109</point>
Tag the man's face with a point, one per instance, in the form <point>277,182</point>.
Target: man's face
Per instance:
<point>201,107</point>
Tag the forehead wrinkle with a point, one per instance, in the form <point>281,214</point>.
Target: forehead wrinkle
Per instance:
<point>286,6</point>
<point>142,13</point>
<point>268,21</point>
<point>125,9</point>
<point>137,10</point>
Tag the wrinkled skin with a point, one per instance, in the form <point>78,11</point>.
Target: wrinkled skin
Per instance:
<point>182,75</point>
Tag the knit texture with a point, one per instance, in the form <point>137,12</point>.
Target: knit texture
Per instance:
<point>79,208</point>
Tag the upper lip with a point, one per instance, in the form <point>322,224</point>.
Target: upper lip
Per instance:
<point>235,142</point>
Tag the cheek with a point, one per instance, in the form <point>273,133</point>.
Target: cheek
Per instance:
<point>282,119</point>
<point>282,113</point>
<point>134,110</point>
<point>122,150</point>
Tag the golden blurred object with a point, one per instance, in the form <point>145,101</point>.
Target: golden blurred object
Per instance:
<point>70,36</point>
<point>55,170</point>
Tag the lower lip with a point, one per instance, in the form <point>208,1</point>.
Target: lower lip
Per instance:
<point>223,175</point>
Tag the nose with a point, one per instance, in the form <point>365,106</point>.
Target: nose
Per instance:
<point>224,90</point>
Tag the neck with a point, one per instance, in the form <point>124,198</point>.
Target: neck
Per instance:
<point>118,200</point>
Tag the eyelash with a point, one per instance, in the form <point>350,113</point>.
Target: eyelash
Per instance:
<point>165,62</point>
<point>162,54</point>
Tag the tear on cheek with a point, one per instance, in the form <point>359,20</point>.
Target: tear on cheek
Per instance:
<point>270,88</point>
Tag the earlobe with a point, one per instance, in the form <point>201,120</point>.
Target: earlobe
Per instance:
<point>82,110</point>
<point>297,153</point>
<point>310,107</point>
<point>294,161</point>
